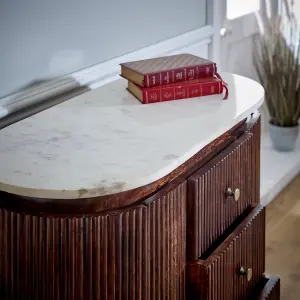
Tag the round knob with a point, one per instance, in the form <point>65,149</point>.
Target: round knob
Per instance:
<point>246,272</point>
<point>235,194</point>
<point>225,31</point>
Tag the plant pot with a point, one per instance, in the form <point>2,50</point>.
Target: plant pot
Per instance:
<point>284,138</point>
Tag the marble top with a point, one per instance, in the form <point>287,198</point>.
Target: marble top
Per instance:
<point>105,141</point>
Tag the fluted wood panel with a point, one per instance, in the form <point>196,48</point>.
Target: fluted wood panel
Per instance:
<point>136,253</point>
<point>210,212</point>
<point>271,290</point>
<point>267,289</point>
<point>217,277</point>
<point>255,129</point>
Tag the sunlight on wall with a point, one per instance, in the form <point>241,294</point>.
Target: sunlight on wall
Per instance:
<point>238,8</point>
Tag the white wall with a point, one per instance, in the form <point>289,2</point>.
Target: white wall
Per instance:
<point>42,39</point>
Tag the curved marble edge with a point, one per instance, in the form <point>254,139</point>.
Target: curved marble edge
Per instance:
<point>207,104</point>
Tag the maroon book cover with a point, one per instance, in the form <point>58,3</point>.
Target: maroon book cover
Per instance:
<point>176,91</point>
<point>168,69</point>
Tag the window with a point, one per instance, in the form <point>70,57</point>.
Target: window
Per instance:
<point>47,39</point>
<point>239,8</point>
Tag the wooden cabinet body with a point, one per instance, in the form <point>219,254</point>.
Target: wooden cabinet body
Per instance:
<point>182,237</point>
<point>121,254</point>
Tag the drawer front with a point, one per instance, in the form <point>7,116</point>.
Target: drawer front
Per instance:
<point>210,210</point>
<point>220,276</point>
<point>267,289</point>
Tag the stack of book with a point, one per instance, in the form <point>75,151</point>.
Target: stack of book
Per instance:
<point>172,78</point>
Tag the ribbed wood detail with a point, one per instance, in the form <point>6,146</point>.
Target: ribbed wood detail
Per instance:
<point>210,212</point>
<point>217,277</point>
<point>255,129</point>
<point>267,289</point>
<point>136,253</point>
<point>271,290</point>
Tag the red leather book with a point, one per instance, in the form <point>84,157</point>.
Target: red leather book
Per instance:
<point>168,69</point>
<point>175,91</point>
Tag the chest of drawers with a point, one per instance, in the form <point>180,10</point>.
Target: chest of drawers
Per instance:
<point>198,233</point>
<point>226,225</point>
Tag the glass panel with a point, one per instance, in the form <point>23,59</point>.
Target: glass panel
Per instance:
<point>239,8</point>
<point>45,39</point>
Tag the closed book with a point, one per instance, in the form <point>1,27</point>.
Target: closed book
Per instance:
<point>168,69</point>
<point>176,91</point>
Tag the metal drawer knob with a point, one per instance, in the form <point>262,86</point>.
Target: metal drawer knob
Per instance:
<point>246,272</point>
<point>235,194</point>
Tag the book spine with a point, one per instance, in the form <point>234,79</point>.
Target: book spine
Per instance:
<point>154,95</point>
<point>179,75</point>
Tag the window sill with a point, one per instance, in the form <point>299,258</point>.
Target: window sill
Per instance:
<point>278,169</point>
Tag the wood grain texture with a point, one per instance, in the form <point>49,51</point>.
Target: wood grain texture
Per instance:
<point>267,289</point>
<point>210,211</point>
<point>216,277</point>
<point>37,206</point>
<point>254,127</point>
<point>271,290</point>
<point>134,253</point>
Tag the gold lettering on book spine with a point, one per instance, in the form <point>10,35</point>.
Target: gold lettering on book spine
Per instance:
<point>153,80</point>
<point>179,75</point>
<point>179,93</point>
<point>191,74</point>
<point>195,92</point>
<point>167,95</point>
<point>167,78</point>
<point>153,96</point>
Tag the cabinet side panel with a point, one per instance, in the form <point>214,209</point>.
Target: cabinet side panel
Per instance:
<point>254,127</point>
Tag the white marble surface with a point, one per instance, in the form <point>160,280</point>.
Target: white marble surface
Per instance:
<point>105,141</point>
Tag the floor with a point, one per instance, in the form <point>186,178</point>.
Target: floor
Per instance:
<point>283,240</point>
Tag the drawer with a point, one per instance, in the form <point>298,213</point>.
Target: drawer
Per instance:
<point>267,289</point>
<point>211,207</point>
<point>234,266</point>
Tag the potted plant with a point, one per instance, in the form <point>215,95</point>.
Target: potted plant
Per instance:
<point>276,60</point>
